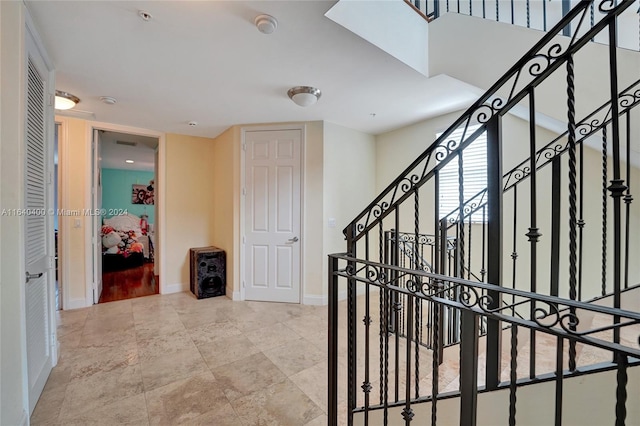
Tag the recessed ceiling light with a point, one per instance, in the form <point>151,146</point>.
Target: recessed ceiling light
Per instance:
<point>65,100</point>
<point>108,100</point>
<point>129,161</point>
<point>266,24</point>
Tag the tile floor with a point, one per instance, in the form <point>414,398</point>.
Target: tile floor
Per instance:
<point>172,359</point>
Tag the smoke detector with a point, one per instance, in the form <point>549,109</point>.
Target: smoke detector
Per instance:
<point>266,24</point>
<point>193,123</point>
<point>108,100</point>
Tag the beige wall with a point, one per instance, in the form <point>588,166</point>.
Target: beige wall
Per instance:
<point>13,368</point>
<point>331,189</point>
<point>189,205</point>
<point>74,151</point>
<point>225,195</point>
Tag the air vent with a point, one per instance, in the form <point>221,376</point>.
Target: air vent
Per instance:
<point>127,143</point>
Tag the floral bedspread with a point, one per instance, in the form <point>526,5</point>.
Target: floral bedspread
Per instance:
<point>120,242</point>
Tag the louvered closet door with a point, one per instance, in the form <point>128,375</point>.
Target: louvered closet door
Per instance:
<point>37,297</point>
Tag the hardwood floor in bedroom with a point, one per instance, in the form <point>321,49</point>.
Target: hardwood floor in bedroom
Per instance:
<point>130,283</point>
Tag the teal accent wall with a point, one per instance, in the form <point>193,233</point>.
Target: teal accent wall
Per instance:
<point>116,191</point>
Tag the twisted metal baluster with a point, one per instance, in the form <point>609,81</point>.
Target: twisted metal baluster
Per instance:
<point>604,210</point>
<point>366,384</point>
<point>571,116</point>
<point>382,312</point>
<point>435,364</point>
<point>417,300</point>
<point>621,389</point>
<point>514,375</point>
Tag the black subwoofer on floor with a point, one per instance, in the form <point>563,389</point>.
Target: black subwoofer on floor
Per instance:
<point>208,272</point>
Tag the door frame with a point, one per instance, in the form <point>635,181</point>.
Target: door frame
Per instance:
<point>303,137</point>
<point>159,226</point>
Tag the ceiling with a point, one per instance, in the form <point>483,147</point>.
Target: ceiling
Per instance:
<point>116,147</point>
<point>205,61</point>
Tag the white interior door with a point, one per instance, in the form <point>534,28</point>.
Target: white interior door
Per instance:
<point>39,281</point>
<point>96,190</point>
<point>272,215</point>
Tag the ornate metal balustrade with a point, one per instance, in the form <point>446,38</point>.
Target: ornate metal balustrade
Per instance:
<point>422,250</point>
<point>408,375</point>
<point>545,216</point>
<point>535,14</point>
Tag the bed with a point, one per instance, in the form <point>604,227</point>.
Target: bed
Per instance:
<point>123,244</point>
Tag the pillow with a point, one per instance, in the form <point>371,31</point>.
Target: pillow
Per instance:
<point>125,222</point>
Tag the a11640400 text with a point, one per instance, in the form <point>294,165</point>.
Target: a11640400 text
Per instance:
<point>63,212</point>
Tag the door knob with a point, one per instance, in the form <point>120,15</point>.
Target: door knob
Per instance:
<point>33,276</point>
<point>293,240</point>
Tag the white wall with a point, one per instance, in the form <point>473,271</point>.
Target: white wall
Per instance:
<point>455,41</point>
<point>13,369</point>
<point>349,184</point>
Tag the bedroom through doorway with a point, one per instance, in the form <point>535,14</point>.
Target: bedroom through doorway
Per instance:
<point>125,193</point>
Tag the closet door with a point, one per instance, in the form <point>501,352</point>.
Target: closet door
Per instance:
<point>38,224</point>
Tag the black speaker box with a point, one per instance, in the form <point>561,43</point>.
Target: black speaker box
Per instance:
<point>208,272</point>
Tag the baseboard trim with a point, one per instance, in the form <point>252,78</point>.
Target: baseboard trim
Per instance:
<point>76,304</point>
<point>315,300</point>
<point>236,296</point>
<point>173,288</point>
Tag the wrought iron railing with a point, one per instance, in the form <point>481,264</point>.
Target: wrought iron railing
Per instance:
<point>552,253</point>
<point>412,253</point>
<point>535,14</point>
<point>397,377</point>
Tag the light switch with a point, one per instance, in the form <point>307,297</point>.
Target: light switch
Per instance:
<point>332,222</point>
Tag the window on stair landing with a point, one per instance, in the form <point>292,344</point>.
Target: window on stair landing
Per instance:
<point>474,174</point>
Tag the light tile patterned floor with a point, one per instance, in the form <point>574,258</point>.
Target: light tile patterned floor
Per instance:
<point>172,359</point>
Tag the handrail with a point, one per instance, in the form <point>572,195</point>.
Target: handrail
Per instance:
<point>549,315</point>
<point>627,100</point>
<point>539,62</point>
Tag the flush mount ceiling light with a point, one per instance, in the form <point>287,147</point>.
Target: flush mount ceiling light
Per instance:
<point>65,100</point>
<point>266,24</point>
<point>304,95</point>
<point>129,161</point>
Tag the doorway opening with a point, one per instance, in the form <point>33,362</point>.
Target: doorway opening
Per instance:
<point>125,171</point>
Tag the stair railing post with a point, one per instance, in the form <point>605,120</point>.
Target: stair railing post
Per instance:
<point>468,368</point>
<point>332,411</point>
<point>494,246</point>
<point>351,328</point>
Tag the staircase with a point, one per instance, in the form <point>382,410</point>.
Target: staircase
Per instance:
<point>450,319</point>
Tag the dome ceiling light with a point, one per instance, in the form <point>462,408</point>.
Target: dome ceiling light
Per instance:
<point>65,100</point>
<point>304,95</point>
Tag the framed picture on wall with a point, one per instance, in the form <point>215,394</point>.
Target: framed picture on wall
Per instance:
<point>142,194</point>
